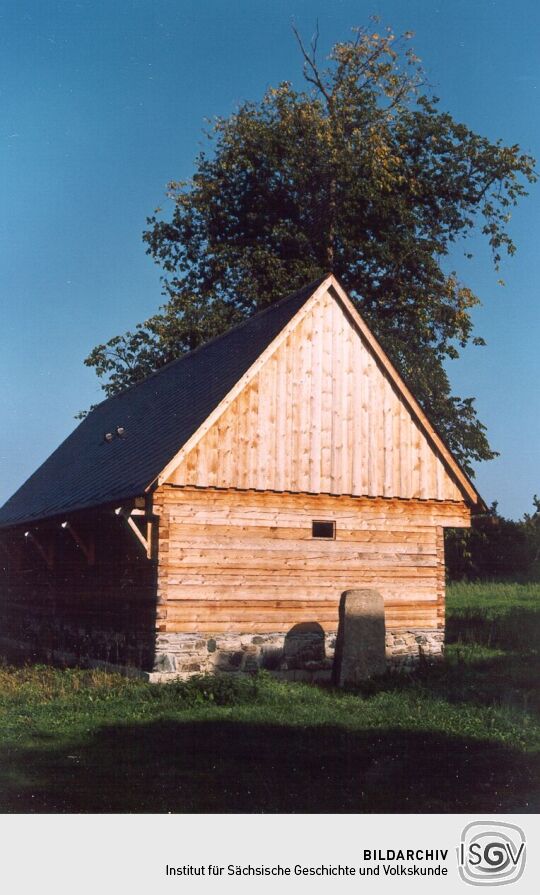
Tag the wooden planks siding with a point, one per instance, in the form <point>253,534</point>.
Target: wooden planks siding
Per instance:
<point>321,415</point>
<point>246,561</point>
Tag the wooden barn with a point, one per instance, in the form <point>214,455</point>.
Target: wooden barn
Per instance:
<point>211,516</point>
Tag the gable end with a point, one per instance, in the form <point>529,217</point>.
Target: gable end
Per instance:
<point>322,410</point>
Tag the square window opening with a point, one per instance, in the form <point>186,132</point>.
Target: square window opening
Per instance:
<point>323,529</point>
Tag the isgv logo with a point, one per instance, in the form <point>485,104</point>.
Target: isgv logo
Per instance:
<point>491,853</point>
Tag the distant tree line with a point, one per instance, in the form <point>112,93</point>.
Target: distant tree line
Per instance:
<point>495,547</point>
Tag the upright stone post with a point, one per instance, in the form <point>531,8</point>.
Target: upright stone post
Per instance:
<point>360,650</point>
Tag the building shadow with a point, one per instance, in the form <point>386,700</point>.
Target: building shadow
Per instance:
<point>220,766</point>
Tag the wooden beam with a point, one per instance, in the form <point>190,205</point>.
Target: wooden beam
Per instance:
<point>146,542</point>
<point>138,533</point>
<point>87,548</point>
<point>46,552</point>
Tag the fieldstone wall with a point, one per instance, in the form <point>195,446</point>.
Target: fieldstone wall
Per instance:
<point>405,650</point>
<point>37,638</point>
<point>305,654</point>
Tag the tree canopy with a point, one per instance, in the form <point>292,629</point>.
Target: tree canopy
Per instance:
<point>359,173</point>
<point>495,547</point>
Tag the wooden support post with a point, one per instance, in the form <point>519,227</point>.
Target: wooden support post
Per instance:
<point>151,537</point>
<point>46,552</point>
<point>6,552</point>
<point>87,548</point>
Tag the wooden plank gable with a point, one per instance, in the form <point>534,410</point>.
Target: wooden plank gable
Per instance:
<point>322,411</point>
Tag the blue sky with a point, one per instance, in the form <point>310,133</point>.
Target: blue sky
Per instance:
<point>103,103</point>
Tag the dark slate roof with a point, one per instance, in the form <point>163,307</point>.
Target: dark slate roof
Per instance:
<point>159,414</point>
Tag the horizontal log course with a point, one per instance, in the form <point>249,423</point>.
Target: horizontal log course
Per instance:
<point>179,607</point>
<point>239,529</point>
<point>181,501</point>
<point>412,621</point>
<point>245,561</point>
<point>398,564</point>
<point>316,550</point>
<point>346,522</point>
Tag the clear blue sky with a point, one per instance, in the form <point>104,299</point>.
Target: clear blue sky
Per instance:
<point>103,102</point>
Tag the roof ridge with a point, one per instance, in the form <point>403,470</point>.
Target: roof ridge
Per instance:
<point>188,354</point>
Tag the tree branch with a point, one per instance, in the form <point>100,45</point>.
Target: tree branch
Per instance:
<point>310,64</point>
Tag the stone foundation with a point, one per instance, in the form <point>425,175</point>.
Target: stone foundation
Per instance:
<point>405,650</point>
<point>305,654</point>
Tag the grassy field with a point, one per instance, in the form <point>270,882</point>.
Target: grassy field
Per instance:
<point>462,737</point>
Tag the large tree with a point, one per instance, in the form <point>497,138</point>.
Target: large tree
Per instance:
<point>359,173</point>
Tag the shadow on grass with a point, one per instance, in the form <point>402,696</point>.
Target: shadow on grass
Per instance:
<point>222,766</point>
<point>508,681</point>
<point>514,629</point>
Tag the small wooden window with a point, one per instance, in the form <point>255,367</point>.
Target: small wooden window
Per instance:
<point>320,529</point>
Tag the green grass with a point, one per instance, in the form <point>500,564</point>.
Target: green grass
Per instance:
<point>462,737</point>
<point>501,614</point>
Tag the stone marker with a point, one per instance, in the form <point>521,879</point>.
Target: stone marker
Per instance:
<point>360,651</point>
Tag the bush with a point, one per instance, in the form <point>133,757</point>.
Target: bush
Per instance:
<point>495,547</point>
